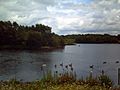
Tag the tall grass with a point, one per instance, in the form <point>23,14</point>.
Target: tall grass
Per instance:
<point>65,80</point>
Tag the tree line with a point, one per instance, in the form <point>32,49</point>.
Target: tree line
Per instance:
<point>13,35</point>
<point>92,38</point>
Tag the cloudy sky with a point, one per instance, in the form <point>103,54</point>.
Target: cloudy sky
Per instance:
<point>65,16</point>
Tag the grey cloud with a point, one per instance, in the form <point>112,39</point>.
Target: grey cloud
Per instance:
<point>46,2</point>
<point>65,16</point>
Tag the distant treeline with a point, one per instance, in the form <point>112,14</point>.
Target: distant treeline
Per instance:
<point>37,36</point>
<point>92,38</point>
<point>14,36</point>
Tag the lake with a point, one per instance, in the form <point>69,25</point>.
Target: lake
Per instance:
<point>26,65</point>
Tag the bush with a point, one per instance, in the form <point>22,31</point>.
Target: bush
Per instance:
<point>105,81</point>
<point>66,78</point>
<point>92,81</point>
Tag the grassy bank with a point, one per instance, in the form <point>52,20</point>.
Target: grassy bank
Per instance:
<point>40,85</point>
<point>65,80</point>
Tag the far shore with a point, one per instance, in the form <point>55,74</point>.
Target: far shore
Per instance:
<point>44,48</point>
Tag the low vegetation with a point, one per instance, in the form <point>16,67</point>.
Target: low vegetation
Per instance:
<point>65,80</point>
<point>92,38</point>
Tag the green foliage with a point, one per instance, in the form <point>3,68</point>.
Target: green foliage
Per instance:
<point>105,81</point>
<point>42,28</point>
<point>91,38</point>
<point>96,38</point>
<point>57,40</point>
<point>69,39</point>
<point>13,35</point>
<point>34,39</point>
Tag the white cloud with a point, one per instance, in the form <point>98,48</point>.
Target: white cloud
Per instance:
<point>65,16</point>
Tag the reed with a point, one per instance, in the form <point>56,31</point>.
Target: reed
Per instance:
<point>57,80</point>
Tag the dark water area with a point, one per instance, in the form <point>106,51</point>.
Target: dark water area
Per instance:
<point>26,65</point>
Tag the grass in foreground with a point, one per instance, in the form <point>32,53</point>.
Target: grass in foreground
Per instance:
<point>39,85</point>
<point>61,81</point>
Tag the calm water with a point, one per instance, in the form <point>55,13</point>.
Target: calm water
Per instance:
<point>26,65</point>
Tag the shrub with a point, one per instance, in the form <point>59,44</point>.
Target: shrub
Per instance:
<point>66,78</point>
<point>92,81</point>
<point>105,81</point>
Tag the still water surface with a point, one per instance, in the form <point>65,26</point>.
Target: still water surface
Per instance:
<point>26,65</point>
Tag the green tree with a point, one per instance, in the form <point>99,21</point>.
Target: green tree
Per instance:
<point>34,39</point>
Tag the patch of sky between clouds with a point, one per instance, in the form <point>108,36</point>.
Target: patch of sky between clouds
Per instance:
<point>84,1</point>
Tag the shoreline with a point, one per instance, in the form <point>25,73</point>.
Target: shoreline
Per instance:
<point>45,48</point>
